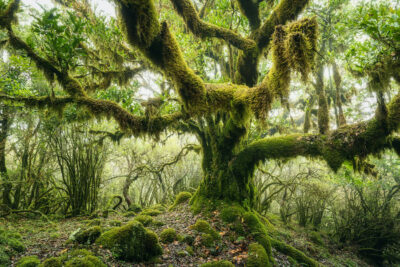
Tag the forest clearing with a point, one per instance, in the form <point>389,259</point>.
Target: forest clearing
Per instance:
<point>209,133</point>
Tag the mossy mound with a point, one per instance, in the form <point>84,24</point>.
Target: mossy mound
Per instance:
<point>144,219</point>
<point>52,262</point>
<point>181,198</point>
<point>168,235</point>
<point>115,223</point>
<point>258,257</point>
<point>28,261</point>
<point>10,245</point>
<point>159,207</point>
<point>204,227</point>
<point>207,240</point>
<point>86,261</point>
<point>151,212</point>
<point>131,242</point>
<point>218,264</point>
<point>129,214</point>
<point>88,236</point>
<point>135,208</point>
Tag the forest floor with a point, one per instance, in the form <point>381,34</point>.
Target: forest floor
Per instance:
<point>51,239</point>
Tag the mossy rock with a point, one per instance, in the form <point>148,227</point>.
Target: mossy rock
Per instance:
<point>190,250</point>
<point>52,262</point>
<point>144,219</point>
<point>151,212</point>
<point>181,198</point>
<point>131,242</point>
<point>258,230</point>
<point>28,261</point>
<point>204,227</point>
<point>218,264</point>
<point>88,236</point>
<point>159,207</point>
<point>188,239</point>
<point>231,214</point>
<point>168,235</point>
<point>157,223</point>
<point>257,256</point>
<point>129,214</point>
<point>207,240</point>
<point>135,208</point>
<point>87,261</point>
<point>95,222</point>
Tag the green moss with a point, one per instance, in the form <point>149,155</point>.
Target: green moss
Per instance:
<point>87,261</point>
<point>16,245</point>
<point>159,207</point>
<point>157,223</point>
<point>316,238</point>
<point>88,236</point>
<point>146,220</point>
<point>135,207</point>
<point>231,213</point>
<point>52,262</point>
<point>80,253</point>
<point>151,212</point>
<point>204,227</point>
<point>221,263</point>
<point>4,258</point>
<point>94,222</point>
<point>182,253</point>
<point>296,254</point>
<point>188,239</point>
<point>190,250</point>
<point>257,256</point>
<point>115,223</point>
<point>129,214</point>
<point>207,240</point>
<point>181,198</point>
<point>131,242</point>
<point>28,261</point>
<point>168,235</point>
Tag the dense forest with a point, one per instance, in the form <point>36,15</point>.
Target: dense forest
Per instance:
<point>209,133</point>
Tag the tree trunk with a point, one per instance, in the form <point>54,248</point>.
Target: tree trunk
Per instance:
<point>7,186</point>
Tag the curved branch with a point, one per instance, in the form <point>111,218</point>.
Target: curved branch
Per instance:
<point>251,11</point>
<point>133,124</point>
<point>344,144</point>
<point>203,29</point>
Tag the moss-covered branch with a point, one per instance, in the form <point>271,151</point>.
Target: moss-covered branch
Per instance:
<point>345,144</point>
<point>128,122</point>
<point>251,11</point>
<point>203,29</point>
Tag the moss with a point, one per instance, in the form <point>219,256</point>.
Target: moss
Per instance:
<point>135,207</point>
<point>4,258</point>
<point>188,239</point>
<point>115,223</point>
<point>181,198</point>
<point>168,235</point>
<point>129,214</point>
<point>157,223</point>
<point>16,245</point>
<point>296,254</point>
<point>146,220</point>
<point>88,236</point>
<point>151,212</point>
<point>28,261</point>
<point>87,261</point>
<point>159,207</point>
<point>207,240</point>
<point>231,213</point>
<point>52,262</point>
<point>80,253</point>
<point>190,250</point>
<point>182,253</point>
<point>131,242</point>
<point>221,263</point>
<point>94,222</point>
<point>316,238</point>
<point>204,227</point>
<point>257,256</point>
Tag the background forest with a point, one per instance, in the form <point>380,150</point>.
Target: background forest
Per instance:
<point>74,166</point>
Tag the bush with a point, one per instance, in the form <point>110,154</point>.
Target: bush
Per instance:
<point>131,242</point>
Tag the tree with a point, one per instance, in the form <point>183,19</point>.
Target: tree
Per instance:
<point>218,114</point>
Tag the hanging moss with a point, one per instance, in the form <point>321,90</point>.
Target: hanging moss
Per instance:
<point>131,242</point>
